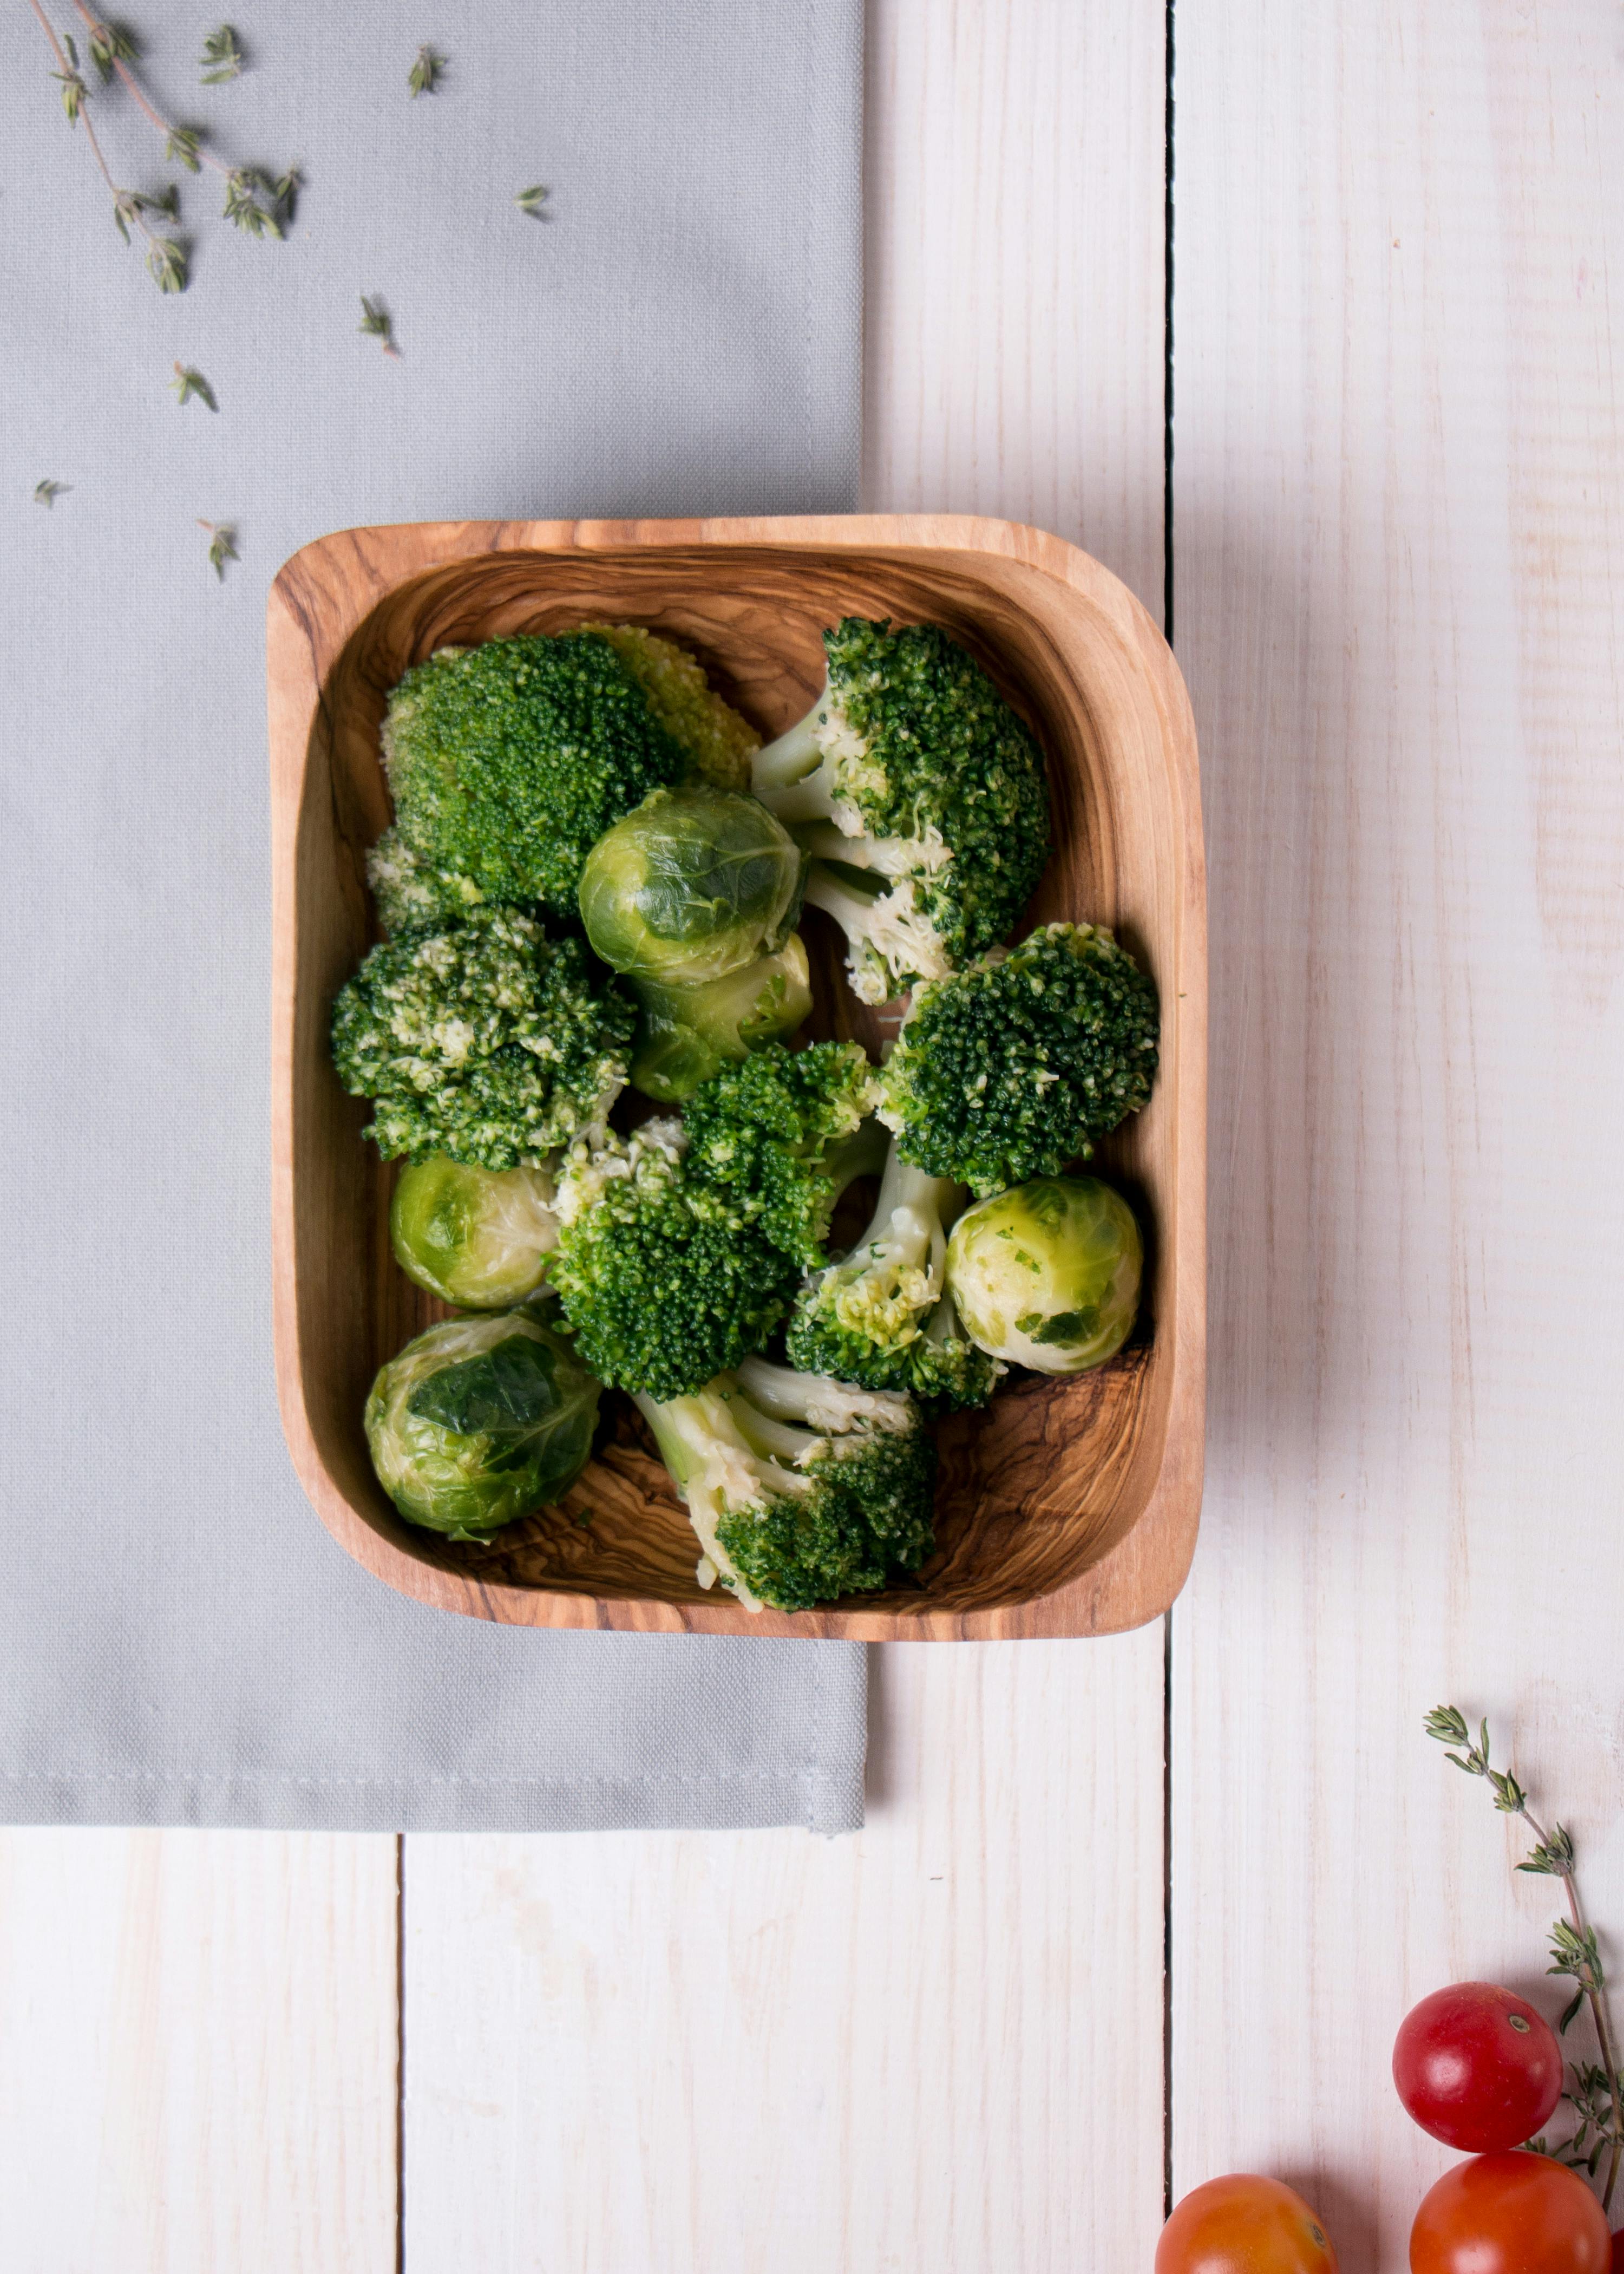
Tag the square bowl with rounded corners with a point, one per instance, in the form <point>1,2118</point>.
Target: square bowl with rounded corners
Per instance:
<point>1070,1506</point>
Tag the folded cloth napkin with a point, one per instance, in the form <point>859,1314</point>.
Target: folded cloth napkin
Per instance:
<point>673,330</point>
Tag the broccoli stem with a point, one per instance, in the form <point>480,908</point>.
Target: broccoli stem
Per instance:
<point>911,1217</point>
<point>797,752</point>
<point>816,1401</point>
<point>885,932</point>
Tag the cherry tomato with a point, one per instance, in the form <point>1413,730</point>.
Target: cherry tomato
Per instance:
<point>1242,2225</point>
<point>1510,2213</point>
<point>1618,2252</point>
<point>1476,2067</point>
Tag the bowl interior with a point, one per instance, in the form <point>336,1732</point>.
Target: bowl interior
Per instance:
<point>1033,1490</point>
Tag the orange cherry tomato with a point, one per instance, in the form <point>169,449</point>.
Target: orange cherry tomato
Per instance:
<point>1510,2213</point>
<point>1244,2225</point>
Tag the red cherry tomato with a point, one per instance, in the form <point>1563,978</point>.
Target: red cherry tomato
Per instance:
<point>1476,2067</point>
<point>1242,2225</point>
<point>1511,2213</point>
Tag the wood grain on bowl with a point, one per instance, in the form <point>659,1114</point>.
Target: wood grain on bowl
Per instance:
<point>1070,1506</point>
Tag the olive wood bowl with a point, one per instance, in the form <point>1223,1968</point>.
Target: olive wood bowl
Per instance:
<point>1068,1507</point>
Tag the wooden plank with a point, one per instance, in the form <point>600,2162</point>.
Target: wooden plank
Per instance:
<point>198,2052</point>
<point>935,2043</point>
<point>1399,544</point>
<point>1014,324</point>
<point>939,2042</point>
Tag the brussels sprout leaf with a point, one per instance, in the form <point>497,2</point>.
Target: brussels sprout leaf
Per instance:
<point>504,1392</point>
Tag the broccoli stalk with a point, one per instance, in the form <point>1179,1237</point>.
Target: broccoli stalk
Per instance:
<point>882,1317</point>
<point>886,932</point>
<point>799,1489</point>
<point>911,766</point>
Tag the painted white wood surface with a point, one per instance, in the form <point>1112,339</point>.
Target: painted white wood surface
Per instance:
<point>1399,558</point>
<point>935,2043</point>
<point>197,2052</point>
<point>938,2044</point>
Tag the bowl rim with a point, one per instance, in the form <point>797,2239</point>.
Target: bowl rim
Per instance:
<point>310,615</point>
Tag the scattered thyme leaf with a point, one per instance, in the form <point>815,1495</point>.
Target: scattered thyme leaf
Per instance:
<point>166,259</point>
<point>188,383</point>
<point>222,57</point>
<point>221,545</point>
<point>46,494</point>
<point>425,73</point>
<point>251,202</point>
<point>378,324</point>
<point>532,201</point>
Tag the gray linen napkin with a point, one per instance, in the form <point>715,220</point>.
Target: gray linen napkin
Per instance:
<point>180,1641</point>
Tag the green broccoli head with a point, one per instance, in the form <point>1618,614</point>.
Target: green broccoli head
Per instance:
<point>717,743</point>
<point>1013,1068</point>
<point>784,1131</point>
<point>665,1278</point>
<point>799,1489</point>
<point>509,761</point>
<point>913,772</point>
<point>480,1038</point>
<point>882,1317</point>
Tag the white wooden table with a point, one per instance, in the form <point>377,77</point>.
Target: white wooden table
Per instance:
<point>1397,556</point>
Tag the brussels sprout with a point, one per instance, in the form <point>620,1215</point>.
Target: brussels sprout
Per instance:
<point>1048,1274</point>
<point>481,1420</point>
<point>692,885</point>
<point>478,1237</point>
<point>687,1034</point>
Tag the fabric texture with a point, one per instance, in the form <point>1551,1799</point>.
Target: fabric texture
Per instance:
<point>678,333</point>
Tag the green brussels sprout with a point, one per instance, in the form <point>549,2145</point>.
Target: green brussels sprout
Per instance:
<point>1048,1274</point>
<point>480,1421</point>
<point>477,1237</point>
<point>687,1034</point>
<point>693,884</point>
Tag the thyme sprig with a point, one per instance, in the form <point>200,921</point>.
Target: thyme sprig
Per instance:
<point>1597,2093</point>
<point>222,57</point>
<point>188,383</point>
<point>221,544</point>
<point>256,201</point>
<point>426,72</point>
<point>46,493</point>
<point>110,47</point>
<point>378,324</point>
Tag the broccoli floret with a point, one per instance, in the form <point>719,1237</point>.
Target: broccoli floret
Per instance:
<point>801,1489</point>
<point>1013,1068</point>
<point>785,1130</point>
<point>884,1317</point>
<point>665,1278</point>
<point>480,1038</point>
<point>508,761</point>
<point>718,744</point>
<point>408,891</point>
<point>913,768</point>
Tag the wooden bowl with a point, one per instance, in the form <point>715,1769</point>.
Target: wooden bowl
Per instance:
<point>1070,1506</point>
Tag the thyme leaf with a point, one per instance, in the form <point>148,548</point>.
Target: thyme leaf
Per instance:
<point>188,383</point>
<point>46,494</point>
<point>532,200</point>
<point>426,72</point>
<point>378,324</point>
<point>222,57</point>
<point>221,545</point>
